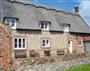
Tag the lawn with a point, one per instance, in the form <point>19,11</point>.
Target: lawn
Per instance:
<point>84,67</point>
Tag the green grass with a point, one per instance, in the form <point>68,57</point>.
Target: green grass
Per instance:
<point>84,67</point>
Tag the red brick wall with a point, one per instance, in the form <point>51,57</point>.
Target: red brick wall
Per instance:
<point>75,38</point>
<point>5,47</point>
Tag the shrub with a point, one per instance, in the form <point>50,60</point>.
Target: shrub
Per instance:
<point>34,54</point>
<point>60,52</point>
<point>29,62</point>
<point>51,60</point>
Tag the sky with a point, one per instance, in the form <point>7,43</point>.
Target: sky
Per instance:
<point>68,5</point>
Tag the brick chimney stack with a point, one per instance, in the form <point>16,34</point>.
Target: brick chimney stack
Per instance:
<point>76,9</point>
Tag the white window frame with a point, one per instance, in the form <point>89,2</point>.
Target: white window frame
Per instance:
<point>10,22</point>
<point>45,26</point>
<point>81,43</point>
<point>17,48</point>
<point>66,28</point>
<point>47,45</point>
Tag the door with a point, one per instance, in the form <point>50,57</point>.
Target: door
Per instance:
<point>87,46</point>
<point>70,46</point>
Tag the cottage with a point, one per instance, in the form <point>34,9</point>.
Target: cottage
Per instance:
<point>42,31</point>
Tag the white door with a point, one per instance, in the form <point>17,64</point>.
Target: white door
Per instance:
<point>70,46</point>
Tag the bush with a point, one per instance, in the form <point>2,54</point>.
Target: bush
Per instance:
<point>84,67</point>
<point>60,52</point>
<point>29,62</point>
<point>34,54</point>
<point>51,60</point>
<point>41,60</point>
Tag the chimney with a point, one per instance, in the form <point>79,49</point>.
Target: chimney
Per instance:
<point>76,9</point>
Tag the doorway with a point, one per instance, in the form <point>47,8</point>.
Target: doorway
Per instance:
<point>70,46</point>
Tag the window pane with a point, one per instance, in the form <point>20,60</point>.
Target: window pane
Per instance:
<point>47,41</point>
<point>19,43</point>
<point>42,25</point>
<point>15,43</point>
<point>43,42</point>
<point>7,21</point>
<point>13,21</point>
<point>23,43</point>
<point>45,25</point>
<point>80,42</point>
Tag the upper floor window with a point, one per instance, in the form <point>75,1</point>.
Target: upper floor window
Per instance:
<point>80,43</point>
<point>66,27</point>
<point>45,43</point>
<point>19,43</point>
<point>11,21</point>
<point>44,25</point>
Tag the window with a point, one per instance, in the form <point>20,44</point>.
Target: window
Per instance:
<point>11,21</point>
<point>66,28</point>
<point>23,43</point>
<point>15,43</point>
<point>45,43</point>
<point>45,25</point>
<point>19,43</point>
<point>47,53</point>
<point>80,43</point>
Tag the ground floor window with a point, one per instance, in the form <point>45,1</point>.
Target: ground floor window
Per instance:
<point>46,43</point>
<point>47,53</point>
<point>19,43</point>
<point>80,43</point>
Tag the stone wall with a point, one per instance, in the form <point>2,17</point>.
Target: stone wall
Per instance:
<point>34,41</point>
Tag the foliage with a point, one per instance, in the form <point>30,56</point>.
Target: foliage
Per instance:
<point>84,67</point>
<point>34,54</point>
<point>51,60</point>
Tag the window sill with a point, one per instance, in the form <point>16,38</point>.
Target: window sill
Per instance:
<point>19,48</point>
<point>45,47</point>
<point>13,27</point>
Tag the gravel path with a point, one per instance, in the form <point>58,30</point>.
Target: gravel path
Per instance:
<point>56,66</point>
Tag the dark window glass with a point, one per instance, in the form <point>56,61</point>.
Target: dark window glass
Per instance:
<point>15,41</point>
<point>23,43</point>
<point>42,25</point>
<point>45,25</point>
<point>13,21</point>
<point>19,43</point>
<point>47,41</point>
<point>43,42</point>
